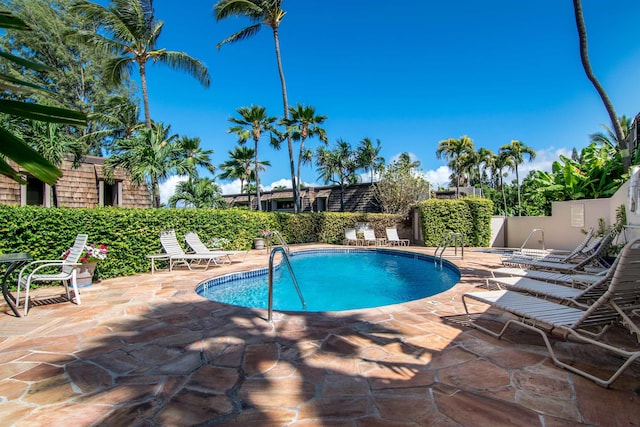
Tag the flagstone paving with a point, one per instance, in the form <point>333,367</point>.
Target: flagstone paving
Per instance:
<point>145,350</point>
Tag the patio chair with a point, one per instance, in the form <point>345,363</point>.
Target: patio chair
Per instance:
<point>194,242</point>
<point>585,324</point>
<point>393,239</point>
<point>584,248</point>
<point>549,276</point>
<point>177,255</point>
<point>66,271</point>
<point>595,259</point>
<point>350,236</point>
<point>370,237</point>
<point>597,285</point>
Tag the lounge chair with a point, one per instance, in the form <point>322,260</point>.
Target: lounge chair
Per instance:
<point>194,242</point>
<point>572,295</point>
<point>393,239</point>
<point>177,255</point>
<point>584,248</point>
<point>350,236</point>
<point>66,272</point>
<point>595,259</point>
<point>586,325</point>
<point>370,237</point>
<point>548,276</point>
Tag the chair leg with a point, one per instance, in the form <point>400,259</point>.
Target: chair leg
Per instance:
<point>26,295</point>
<point>74,284</point>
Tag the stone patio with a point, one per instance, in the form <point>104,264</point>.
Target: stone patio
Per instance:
<point>145,350</point>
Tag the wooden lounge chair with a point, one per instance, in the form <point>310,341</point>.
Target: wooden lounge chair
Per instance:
<point>194,242</point>
<point>393,239</point>
<point>66,272</point>
<point>586,325</point>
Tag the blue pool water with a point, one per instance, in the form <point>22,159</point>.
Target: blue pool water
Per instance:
<point>334,280</point>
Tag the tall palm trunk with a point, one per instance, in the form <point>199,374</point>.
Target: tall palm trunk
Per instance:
<point>297,185</point>
<point>518,188</point>
<point>257,176</point>
<point>608,105</point>
<point>145,94</point>
<point>285,103</point>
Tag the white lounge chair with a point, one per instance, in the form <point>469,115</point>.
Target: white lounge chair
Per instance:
<point>573,295</point>
<point>393,239</point>
<point>350,236</point>
<point>370,237</point>
<point>586,325</point>
<point>194,242</point>
<point>549,276</point>
<point>177,255</point>
<point>584,248</point>
<point>595,259</point>
<point>67,272</point>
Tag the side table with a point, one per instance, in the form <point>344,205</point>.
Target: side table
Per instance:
<point>13,261</point>
<point>154,257</point>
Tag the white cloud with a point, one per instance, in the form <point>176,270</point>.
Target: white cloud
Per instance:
<point>281,182</point>
<point>543,161</point>
<point>168,188</point>
<point>439,177</point>
<point>231,188</point>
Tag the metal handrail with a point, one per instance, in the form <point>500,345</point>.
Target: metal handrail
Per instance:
<point>277,234</point>
<point>530,235</point>
<point>444,243</point>
<point>285,257</point>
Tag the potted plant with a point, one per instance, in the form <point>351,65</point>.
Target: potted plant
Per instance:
<point>258,242</point>
<point>91,255</point>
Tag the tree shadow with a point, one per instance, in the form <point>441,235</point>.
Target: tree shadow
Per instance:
<point>198,362</point>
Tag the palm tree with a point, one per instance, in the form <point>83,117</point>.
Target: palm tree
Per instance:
<point>304,124</point>
<point>486,159</point>
<point>197,193</point>
<point>516,151</point>
<point>609,137</point>
<point>239,167</point>
<point>338,166</point>
<point>269,13</point>
<point>129,31</point>
<point>192,156</point>
<point>502,161</point>
<point>151,157</point>
<point>586,64</point>
<point>119,118</point>
<point>452,149</point>
<point>369,155</point>
<point>252,122</point>
<point>13,147</point>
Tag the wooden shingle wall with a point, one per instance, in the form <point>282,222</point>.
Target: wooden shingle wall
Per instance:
<point>79,187</point>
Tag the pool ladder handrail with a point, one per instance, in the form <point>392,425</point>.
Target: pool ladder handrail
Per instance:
<point>281,241</point>
<point>535,230</point>
<point>285,257</point>
<point>444,244</point>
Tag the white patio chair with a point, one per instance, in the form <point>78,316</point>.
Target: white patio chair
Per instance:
<point>194,242</point>
<point>32,272</point>
<point>393,239</point>
<point>177,255</point>
<point>585,324</point>
<point>350,236</point>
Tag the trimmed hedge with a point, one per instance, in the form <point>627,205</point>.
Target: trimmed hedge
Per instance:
<point>469,216</point>
<point>131,234</point>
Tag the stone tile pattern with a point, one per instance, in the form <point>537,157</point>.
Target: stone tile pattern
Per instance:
<point>145,350</point>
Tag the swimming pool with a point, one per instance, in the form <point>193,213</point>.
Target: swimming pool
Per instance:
<point>335,280</point>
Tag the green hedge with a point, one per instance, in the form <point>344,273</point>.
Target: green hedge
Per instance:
<point>131,234</point>
<point>469,216</point>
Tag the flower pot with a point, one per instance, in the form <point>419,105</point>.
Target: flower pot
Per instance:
<point>84,274</point>
<point>258,243</point>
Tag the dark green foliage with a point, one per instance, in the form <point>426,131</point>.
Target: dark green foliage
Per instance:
<point>131,234</point>
<point>469,216</point>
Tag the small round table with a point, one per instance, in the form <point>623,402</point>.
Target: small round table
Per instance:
<point>13,262</point>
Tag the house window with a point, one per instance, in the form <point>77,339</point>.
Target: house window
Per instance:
<point>34,192</point>
<point>321,204</point>
<point>110,194</point>
<point>283,205</point>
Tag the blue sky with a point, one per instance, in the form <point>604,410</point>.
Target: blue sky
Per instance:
<point>409,73</point>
